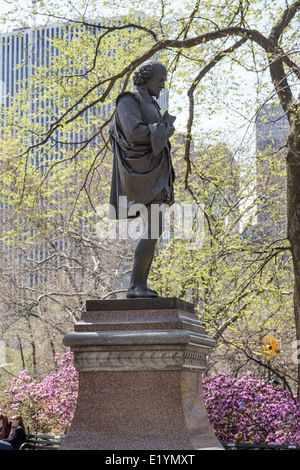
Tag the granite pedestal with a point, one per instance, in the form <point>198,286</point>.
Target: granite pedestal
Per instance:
<point>140,364</point>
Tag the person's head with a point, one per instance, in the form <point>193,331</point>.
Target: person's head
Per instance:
<point>151,76</point>
<point>4,426</point>
<point>16,420</point>
<point>3,418</point>
<point>3,421</point>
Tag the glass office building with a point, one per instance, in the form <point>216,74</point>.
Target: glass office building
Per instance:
<point>272,130</point>
<point>22,50</point>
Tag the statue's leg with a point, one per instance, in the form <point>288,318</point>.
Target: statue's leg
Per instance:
<point>143,256</point>
<point>144,253</point>
<point>147,274</point>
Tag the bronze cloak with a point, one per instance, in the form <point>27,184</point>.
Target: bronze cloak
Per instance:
<point>142,166</point>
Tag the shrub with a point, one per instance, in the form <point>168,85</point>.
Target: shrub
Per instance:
<point>47,407</point>
<point>247,410</point>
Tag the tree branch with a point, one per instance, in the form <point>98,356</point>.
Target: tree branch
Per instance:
<point>284,21</point>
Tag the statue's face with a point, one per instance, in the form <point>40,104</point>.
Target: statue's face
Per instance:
<point>157,82</point>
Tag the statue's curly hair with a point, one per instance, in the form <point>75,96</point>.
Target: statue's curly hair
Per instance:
<point>143,74</point>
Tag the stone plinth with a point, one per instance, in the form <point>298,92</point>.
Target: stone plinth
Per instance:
<point>140,364</point>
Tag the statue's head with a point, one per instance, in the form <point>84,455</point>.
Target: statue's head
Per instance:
<point>151,76</point>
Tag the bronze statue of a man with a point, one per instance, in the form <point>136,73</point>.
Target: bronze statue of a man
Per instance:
<point>143,173</point>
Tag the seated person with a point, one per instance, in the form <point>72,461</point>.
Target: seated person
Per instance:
<point>17,435</point>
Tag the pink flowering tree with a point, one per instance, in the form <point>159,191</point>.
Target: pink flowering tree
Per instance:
<point>246,410</point>
<point>47,407</point>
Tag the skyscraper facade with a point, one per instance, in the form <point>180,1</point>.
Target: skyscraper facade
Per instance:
<point>24,49</point>
<point>271,134</point>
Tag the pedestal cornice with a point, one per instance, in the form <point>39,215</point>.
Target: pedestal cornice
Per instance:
<point>121,335</point>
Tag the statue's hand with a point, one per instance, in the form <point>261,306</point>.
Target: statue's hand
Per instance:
<point>170,130</point>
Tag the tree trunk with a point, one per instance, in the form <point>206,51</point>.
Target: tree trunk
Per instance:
<point>296,261</point>
<point>293,216</point>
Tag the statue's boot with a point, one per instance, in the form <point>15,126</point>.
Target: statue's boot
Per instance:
<point>140,292</point>
<point>141,266</point>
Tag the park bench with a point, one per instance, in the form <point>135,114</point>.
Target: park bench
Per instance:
<point>239,446</point>
<point>42,442</point>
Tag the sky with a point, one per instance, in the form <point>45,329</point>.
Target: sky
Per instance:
<point>4,7</point>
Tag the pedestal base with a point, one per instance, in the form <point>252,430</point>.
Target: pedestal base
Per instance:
<point>140,377</point>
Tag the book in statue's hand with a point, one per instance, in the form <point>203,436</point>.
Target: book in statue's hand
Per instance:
<point>167,118</point>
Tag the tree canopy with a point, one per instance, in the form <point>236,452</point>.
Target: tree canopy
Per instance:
<point>226,59</point>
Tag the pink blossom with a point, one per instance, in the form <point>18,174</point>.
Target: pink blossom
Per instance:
<point>246,410</point>
<point>47,406</point>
